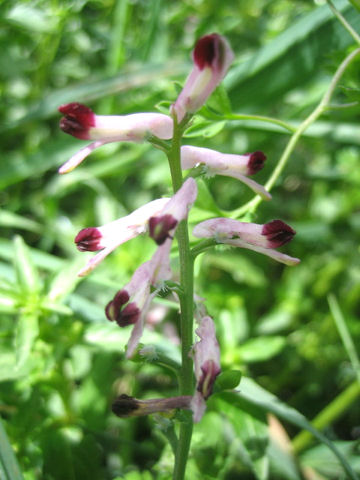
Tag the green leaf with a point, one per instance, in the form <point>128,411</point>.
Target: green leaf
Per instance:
<point>252,395</point>
<point>227,380</point>
<point>27,274</point>
<point>94,89</point>
<point>282,462</point>
<point>65,281</point>
<point>327,464</point>
<point>292,58</point>
<point>219,101</point>
<point>162,354</point>
<point>204,128</point>
<point>205,200</point>
<point>260,349</point>
<point>10,219</point>
<point>27,330</point>
<point>252,437</point>
<point>352,94</point>
<point>9,468</point>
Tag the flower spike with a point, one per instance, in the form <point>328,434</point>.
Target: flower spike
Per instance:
<point>260,238</point>
<point>163,225</point>
<point>207,365</point>
<point>130,305</point>
<point>217,163</point>
<point>81,122</point>
<point>110,236</point>
<point>212,57</point>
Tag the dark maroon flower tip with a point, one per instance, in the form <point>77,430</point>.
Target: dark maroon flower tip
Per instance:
<point>88,240</point>
<point>113,307</point>
<point>114,310</point>
<point>77,120</point>
<point>256,162</point>
<point>206,50</point>
<point>209,373</point>
<point>159,227</point>
<point>277,233</point>
<point>129,315</point>
<point>124,406</point>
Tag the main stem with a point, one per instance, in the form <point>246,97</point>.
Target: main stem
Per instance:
<point>187,306</point>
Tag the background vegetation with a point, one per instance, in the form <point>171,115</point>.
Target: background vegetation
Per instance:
<point>61,362</point>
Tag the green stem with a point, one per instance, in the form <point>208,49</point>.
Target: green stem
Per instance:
<point>328,415</point>
<point>344,22</point>
<point>186,381</point>
<point>202,247</point>
<point>344,334</point>
<point>319,110</point>
<point>260,118</point>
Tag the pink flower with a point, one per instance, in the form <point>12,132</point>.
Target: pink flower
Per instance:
<point>212,57</point>
<point>217,163</point>
<point>130,305</point>
<point>163,225</point>
<point>111,235</point>
<point>81,122</point>
<point>207,365</point>
<point>260,238</point>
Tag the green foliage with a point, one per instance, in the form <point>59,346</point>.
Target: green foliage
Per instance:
<point>61,362</point>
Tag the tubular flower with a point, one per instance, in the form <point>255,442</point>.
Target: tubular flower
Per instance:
<point>217,163</point>
<point>212,57</point>
<point>125,406</point>
<point>130,305</point>
<point>81,122</point>
<point>260,238</point>
<point>163,225</point>
<point>207,365</point>
<point>107,237</point>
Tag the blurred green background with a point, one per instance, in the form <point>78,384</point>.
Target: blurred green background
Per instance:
<point>61,362</point>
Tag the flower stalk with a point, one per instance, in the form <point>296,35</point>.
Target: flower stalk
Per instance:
<point>186,377</point>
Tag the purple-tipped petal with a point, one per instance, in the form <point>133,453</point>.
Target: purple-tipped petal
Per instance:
<point>212,57</point>
<point>229,165</point>
<point>81,122</point>
<point>210,370</point>
<point>162,226</point>
<point>256,162</point>
<point>130,305</point>
<point>122,312</point>
<point>89,240</point>
<point>78,120</point>
<point>207,365</point>
<point>277,233</point>
<point>159,227</point>
<point>260,238</point>
<point>108,237</point>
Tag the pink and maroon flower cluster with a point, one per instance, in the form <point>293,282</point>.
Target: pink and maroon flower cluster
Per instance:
<point>212,57</point>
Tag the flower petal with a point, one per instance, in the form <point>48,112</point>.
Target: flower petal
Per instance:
<point>212,57</point>
<point>79,156</point>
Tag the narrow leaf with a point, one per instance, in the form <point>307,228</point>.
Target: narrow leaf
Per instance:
<point>9,467</point>
<point>252,394</point>
<point>27,330</point>
<point>26,271</point>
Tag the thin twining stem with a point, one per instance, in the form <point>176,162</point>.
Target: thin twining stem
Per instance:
<point>319,110</point>
<point>260,118</point>
<point>344,22</point>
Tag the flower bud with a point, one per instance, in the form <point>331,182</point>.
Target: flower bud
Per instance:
<point>212,57</point>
